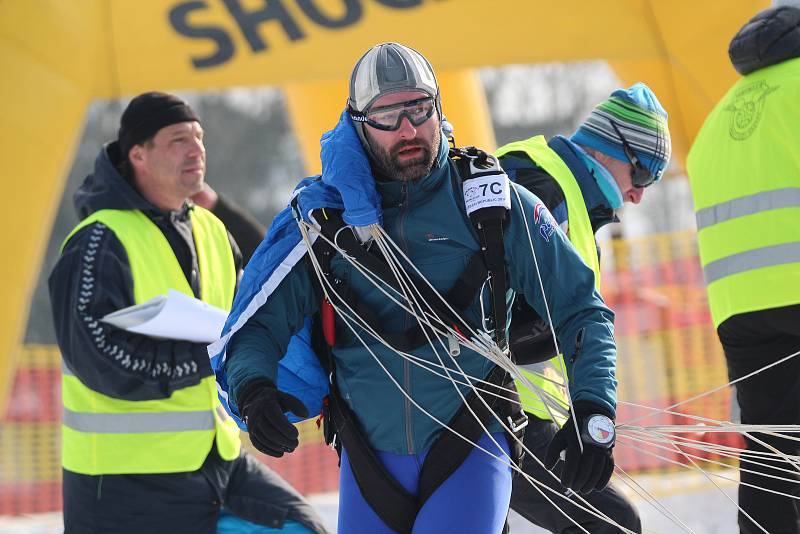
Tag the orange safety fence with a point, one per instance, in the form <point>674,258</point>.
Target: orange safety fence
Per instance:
<point>668,351</point>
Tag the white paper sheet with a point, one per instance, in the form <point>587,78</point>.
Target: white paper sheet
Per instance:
<point>174,316</point>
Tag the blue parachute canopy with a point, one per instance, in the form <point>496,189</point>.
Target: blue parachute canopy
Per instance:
<point>346,184</point>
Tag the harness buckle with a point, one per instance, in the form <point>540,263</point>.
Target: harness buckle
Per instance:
<point>519,423</point>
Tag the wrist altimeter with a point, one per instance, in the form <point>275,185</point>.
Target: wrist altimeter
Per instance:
<point>598,429</point>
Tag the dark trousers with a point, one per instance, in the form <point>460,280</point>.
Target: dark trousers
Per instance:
<point>751,341</point>
<point>530,504</point>
<point>174,503</point>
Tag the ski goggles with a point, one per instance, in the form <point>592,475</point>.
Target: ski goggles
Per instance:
<point>640,176</point>
<point>388,118</point>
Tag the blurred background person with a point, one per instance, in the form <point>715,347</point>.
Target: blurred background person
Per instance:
<point>744,169</point>
<point>146,445</point>
<point>621,148</point>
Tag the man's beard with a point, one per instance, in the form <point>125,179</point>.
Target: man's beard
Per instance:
<point>388,162</point>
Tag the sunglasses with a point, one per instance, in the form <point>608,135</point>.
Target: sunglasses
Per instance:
<point>388,118</point>
<point>640,176</point>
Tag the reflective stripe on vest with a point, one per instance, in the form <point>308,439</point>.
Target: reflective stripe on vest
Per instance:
<point>548,375</point>
<point>745,177</point>
<point>105,435</point>
<point>788,197</point>
<point>750,260</point>
<point>139,422</point>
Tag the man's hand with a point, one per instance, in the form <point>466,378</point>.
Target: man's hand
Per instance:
<point>262,407</point>
<point>207,198</point>
<point>591,469</point>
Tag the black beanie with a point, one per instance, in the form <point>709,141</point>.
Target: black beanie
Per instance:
<point>772,36</point>
<point>147,114</point>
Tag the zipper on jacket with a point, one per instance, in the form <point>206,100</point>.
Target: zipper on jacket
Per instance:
<point>578,344</point>
<point>401,219</point>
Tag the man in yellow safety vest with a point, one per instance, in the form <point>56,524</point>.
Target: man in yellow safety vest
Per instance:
<point>744,169</point>
<point>146,445</point>
<point>622,147</point>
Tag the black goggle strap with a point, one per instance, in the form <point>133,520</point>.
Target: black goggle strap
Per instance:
<point>641,177</point>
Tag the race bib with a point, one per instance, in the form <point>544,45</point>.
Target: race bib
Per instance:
<point>487,191</point>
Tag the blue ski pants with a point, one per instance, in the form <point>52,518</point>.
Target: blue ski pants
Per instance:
<point>474,499</point>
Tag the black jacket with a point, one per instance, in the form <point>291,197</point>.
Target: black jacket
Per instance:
<point>115,362</point>
<point>135,367</point>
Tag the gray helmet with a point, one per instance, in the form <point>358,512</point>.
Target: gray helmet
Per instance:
<point>390,68</point>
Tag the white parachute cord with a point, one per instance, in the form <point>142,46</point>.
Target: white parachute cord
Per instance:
<point>708,476</point>
<point>413,359</point>
<point>377,282</point>
<point>418,361</point>
<point>720,450</point>
<point>667,411</point>
<point>534,482</point>
<point>503,460</point>
<point>648,497</point>
<point>547,311</point>
<point>694,467</point>
<point>387,254</point>
<point>778,452</point>
<point>657,440</point>
<point>395,262</point>
<point>730,499</point>
<point>716,389</point>
<point>592,511</point>
<point>733,452</point>
<point>374,279</point>
<point>491,351</point>
<point>717,452</point>
<point>395,265</point>
<point>776,430</point>
<point>488,348</point>
<point>453,381</point>
<point>757,440</point>
<point>382,239</point>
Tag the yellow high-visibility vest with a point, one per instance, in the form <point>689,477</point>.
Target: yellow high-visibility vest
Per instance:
<point>744,169</point>
<point>548,374</point>
<point>106,435</point>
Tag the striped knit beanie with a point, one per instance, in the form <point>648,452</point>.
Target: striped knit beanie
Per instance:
<point>641,120</point>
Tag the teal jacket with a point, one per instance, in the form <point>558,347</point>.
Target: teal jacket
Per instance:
<point>427,219</point>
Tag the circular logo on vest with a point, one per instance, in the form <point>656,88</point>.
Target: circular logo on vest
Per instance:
<point>746,108</point>
<point>600,429</point>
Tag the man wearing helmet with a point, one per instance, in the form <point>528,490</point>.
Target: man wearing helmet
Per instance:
<point>391,414</point>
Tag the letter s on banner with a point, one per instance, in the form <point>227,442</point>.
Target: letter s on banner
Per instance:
<point>178,18</point>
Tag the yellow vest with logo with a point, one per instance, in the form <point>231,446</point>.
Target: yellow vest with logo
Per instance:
<point>548,375</point>
<point>106,435</point>
<point>744,169</point>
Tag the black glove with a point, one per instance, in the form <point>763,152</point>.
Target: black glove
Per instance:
<point>262,407</point>
<point>590,470</point>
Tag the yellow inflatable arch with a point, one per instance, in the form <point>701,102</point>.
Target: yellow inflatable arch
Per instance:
<point>58,55</point>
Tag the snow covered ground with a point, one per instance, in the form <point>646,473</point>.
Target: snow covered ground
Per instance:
<point>692,498</point>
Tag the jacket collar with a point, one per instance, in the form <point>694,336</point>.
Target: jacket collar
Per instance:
<point>600,213</point>
<point>106,188</point>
